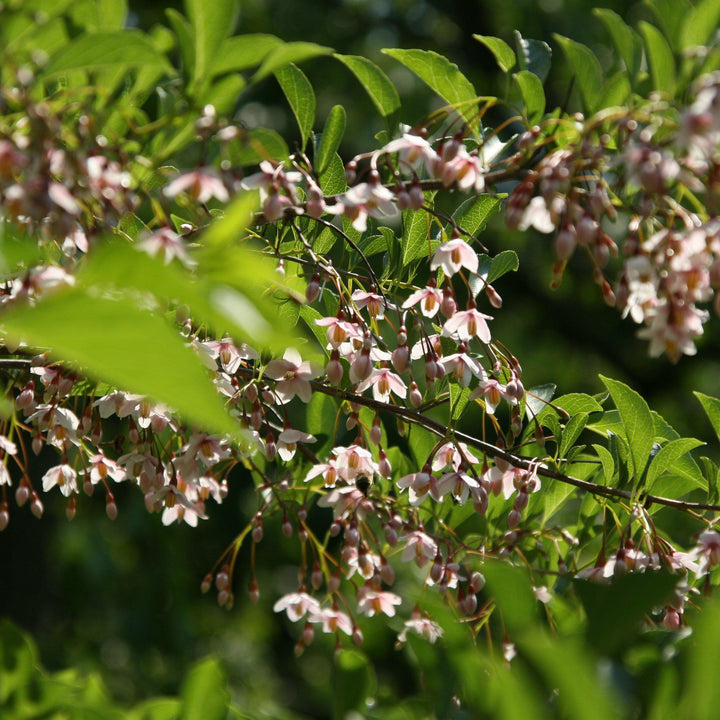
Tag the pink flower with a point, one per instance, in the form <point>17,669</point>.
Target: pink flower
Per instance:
<point>492,392</point>
<point>467,324</point>
<point>63,476</point>
<point>454,254</point>
<point>421,625</point>
<point>229,355</point>
<point>296,605</point>
<point>459,484</point>
<point>383,382</point>
<point>375,303</point>
<point>419,486</point>
<point>288,440</point>
<point>332,620</point>
<point>368,199</point>
<point>201,184</point>
<point>167,242</point>
<point>372,600</point>
<point>419,547</point>
<point>413,151</point>
<point>293,375</point>
<point>430,298</point>
<point>102,467</point>
<point>339,330</point>
<point>462,367</point>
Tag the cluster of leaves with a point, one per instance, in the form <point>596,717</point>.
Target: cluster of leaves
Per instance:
<point>93,117</point>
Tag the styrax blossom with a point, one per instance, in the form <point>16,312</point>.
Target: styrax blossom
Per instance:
<point>287,442</point>
<point>452,255</point>
<point>383,382</point>
<point>202,185</point>
<point>413,151</point>
<point>167,242</point>
<point>328,471</point>
<point>297,605</point>
<point>102,467</point>
<point>354,460</point>
<point>230,355</point>
<point>332,620</point>
<point>419,547</point>
<point>707,552</point>
<point>375,303</point>
<point>429,299</point>
<point>492,392</point>
<point>467,324</point>
<point>63,476</point>
<point>340,330</point>
<point>449,454</point>
<point>293,375</point>
<point>459,484</point>
<point>368,199</point>
<point>345,499</point>
<point>462,367</point>
<point>420,485</point>
<point>420,625</point>
<point>372,600</point>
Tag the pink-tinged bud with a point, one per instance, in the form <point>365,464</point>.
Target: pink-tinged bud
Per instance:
<point>376,431</point>
<point>286,527</point>
<point>308,634</point>
<point>402,198</point>
<point>312,291</point>
<point>335,528</point>
<point>391,536</point>
<point>400,358</point>
<point>587,230</point>
<point>384,465</point>
<point>357,636</point>
<point>206,583</point>
<point>253,592</point>
<point>316,577</point>
<point>351,172</point>
<point>270,447</point>
<point>565,243</point>
<point>415,395</point>
<point>111,509</point>
<point>608,294</point>
<point>302,533</point>
<point>37,443</point>
<point>257,533</point>
<point>26,399</point>
<point>333,583</point>
<point>22,493</point>
<point>352,535</point>
<point>448,305</point>
<point>223,597</point>
<point>4,516</point>
<point>521,501</point>
<point>436,569</point>
<point>256,416</point>
<point>334,369</point>
<point>250,392</point>
<point>469,605</point>
<point>86,420</point>
<point>493,296</point>
<point>222,579</point>
<point>431,369</point>
<point>362,367</point>
<point>387,574</point>
<point>477,582</point>
<point>96,433</point>
<point>514,518</point>
<point>480,501</point>
<point>36,506</point>
<point>351,421</point>
<point>671,620</point>
<point>417,198</point>
<point>133,434</point>
<point>71,508</point>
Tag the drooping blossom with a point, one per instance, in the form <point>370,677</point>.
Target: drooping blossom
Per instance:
<point>452,255</point>
<point>372,600</point>
<point>294,376</point>
<point>297,605</point>
<point>201,184</point>
<point>383,382</point>
<point>467,324</point>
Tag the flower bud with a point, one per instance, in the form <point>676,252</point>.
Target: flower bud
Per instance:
<point>384,465</point>
<point>415,395</point>
<point>4,516</point>
<point>334,369</point>
<point>387,574</point>
<point>71,508</point>
<point>400,358</point>
<point>514,518</point>
<point>357,636</point>
<point>316,577</point>
<point>477,582</point>
<point>308,634</point>
<point>22,493</point>
<point>286,527</point>
<point>376,431</point>
<point>391,536</point>
<point>257,532</point>
<point>333,583</point>
<point>253,592</point>
<point>206,584</point>
<point>36,506</point>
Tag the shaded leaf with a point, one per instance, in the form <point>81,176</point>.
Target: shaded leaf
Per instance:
<point>660,58</point>
<point>504,262</point>
<point>417,224</point>
<point>331,137</point>
<point>376,83</point>
<point>292,52</point>
<point>667,455</point>
<point>626,40</point>
<point>300,95</point>
<point>532,92</point>
<point>533,55</point>
<point>243,51</point>
<point>586,69</point>
<point>502,52</point>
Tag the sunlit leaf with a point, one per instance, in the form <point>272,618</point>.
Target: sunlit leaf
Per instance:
<point>502,52</point>
<point>376,83</point>
<point>300,95</point>
<point>330,141</point>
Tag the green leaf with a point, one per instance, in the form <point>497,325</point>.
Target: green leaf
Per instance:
<point>503,53</point>
<point>353,682</point>
<point>504,262</point>
<point>156,709</point>
<point>417,224</point>
<point>702,695</point>
<point>607,462</point>
<point>637,423</point>
<point>671,16</point>
<point>376,83</point>
<point>259,144</point>
<point>532,92</point>
<point>660,58</point>
<point>711,406</point>
<point>700,24</point>
<point>332,179</point>
<point>533,55</point>
<point>538,398</point>
<point>243,52</point>
<point>111,14</point>
<point>204,693</point>
<point>331,137</point>
<point>615,611</point>
<point>18,659</point>
<point>626,40</point>
<point>458,400</point>
<point>586,69</point>
<point>223,94</point>
<point>442,76</point>
<point>117,341</point>
<point>211,23</point>
<point>103,50</point>
<point>473,215</point>
<point>667,455</point>
<point>300,95</point>
<point>578,402</point>
<point>572,431</point>
<point>511,590</point>
<point>616,90</point>
<point>292,52</point>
